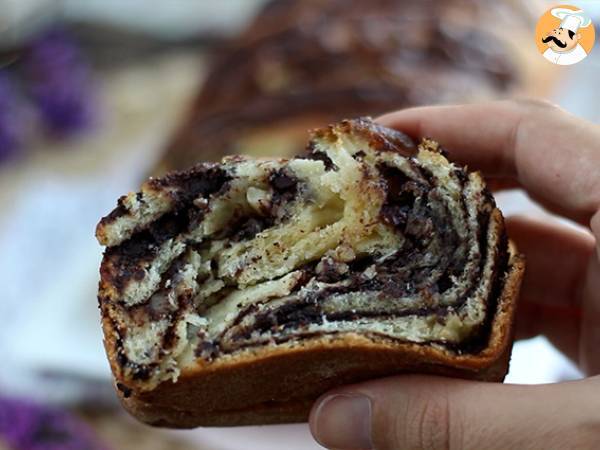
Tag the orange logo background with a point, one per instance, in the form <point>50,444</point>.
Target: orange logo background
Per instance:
<point>548,22</point>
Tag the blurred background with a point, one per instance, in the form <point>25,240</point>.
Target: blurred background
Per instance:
<point>97,95</point>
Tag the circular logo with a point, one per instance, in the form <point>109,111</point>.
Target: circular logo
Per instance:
<point>565,35</point>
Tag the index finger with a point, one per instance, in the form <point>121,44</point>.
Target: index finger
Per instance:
<point>554,155</point>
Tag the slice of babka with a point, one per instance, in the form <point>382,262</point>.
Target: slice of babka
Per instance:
<point>238,292</point>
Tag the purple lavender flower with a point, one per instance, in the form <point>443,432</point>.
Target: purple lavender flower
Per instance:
<point>60,82</point>
<point>27,426</point>
<point>11,127</point>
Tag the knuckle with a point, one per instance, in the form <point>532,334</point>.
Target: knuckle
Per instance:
<point>427,424</point>
<point>536,103</point>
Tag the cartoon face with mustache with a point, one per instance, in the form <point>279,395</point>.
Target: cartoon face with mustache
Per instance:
<point>561,40</point>
<point>563,45</point>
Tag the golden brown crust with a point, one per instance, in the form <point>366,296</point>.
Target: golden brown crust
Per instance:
<point>239,389</point>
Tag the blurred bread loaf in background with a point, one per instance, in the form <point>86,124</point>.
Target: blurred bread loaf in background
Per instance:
<point>299,64</point>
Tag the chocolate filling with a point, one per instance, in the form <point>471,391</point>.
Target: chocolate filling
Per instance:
<point>249,226</point>
<point>317,155</point>
<point>285,187</point>
<point>200,181</point>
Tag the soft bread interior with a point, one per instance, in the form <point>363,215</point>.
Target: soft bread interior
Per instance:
<point>364,234</point>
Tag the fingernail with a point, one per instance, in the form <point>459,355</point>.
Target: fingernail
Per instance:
<point>343,421</point>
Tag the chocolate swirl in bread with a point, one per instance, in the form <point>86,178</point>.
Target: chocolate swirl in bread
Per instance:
<point>366,235</point>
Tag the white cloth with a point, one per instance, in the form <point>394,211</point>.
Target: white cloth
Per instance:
<point>565,58</point>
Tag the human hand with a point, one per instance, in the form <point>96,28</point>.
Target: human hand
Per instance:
<point>555,157</point>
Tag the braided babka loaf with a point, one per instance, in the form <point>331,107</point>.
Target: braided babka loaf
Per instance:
<point>302,63</point>
<point>236,293</point>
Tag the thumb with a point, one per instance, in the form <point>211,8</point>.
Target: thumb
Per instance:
<point>424,412</point>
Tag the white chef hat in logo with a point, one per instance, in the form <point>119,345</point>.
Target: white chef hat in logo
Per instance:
<point>571,20</point>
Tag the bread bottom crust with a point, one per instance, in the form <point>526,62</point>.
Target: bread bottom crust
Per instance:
<point>271,385</point>
<point>160,414</point>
